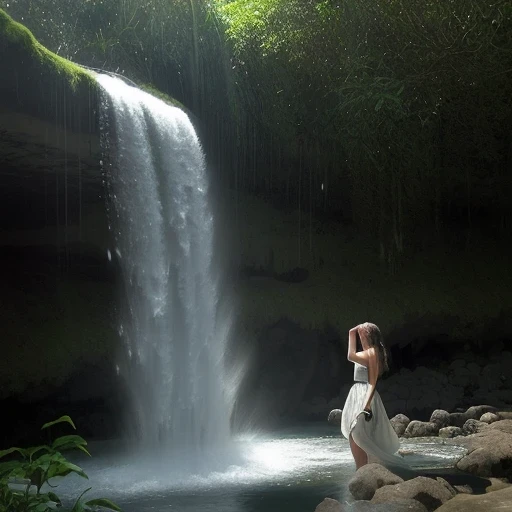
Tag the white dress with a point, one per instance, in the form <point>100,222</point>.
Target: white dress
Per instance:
<point>376,437</point>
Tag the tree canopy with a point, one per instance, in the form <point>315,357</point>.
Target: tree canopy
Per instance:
<point>395,115</point>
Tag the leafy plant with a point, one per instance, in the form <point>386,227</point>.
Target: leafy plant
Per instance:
<point>29,469</point>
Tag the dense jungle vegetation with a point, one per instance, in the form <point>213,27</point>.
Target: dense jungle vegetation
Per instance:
<point>393,115</point>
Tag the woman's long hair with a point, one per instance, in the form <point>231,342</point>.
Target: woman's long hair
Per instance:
<point>376,340</point>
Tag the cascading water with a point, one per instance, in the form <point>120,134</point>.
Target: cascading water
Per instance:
<point>164,234</point>
<point>175,344</point>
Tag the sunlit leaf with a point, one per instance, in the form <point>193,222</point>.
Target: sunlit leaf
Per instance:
<point>63,468</point>
<point>62,419</point>
<point>104,503</point>
<point>70,442</point>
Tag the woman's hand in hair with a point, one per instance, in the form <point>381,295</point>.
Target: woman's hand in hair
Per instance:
<point>352,353</point>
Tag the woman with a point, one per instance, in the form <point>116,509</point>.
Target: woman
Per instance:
<point>364,421</point>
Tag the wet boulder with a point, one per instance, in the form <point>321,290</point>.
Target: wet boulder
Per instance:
<point>473,426</point>
<point>429,492</point>
<point>369,478</point>
<point>334,417</point>
<point>457,419</point>
<point>504,425</point>
<point>489,417</point>
<point>421,429</point>
<point>440,417</point>
<point>402,505</point>
<point>329,505</point>
<point>475,412</point>
<point>496,484</point>
<point>449,432</point>
<point>497,500</point>
<point>399,424</point>
<point>489,451</point>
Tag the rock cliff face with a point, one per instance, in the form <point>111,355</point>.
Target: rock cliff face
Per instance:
<point>49,144</point>
<point>52,192</point>
<point>57,288</point>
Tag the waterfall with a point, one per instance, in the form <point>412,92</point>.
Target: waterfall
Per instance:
<point>163,228</point>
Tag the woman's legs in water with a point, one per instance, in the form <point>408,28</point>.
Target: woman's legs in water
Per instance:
<point>360,456</point>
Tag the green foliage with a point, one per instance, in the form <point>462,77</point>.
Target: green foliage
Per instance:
<point>62,419</point>
<point>396,95</point>
<point>34,467</point>
<point>141,39</point>
<point>151,89</point>
<point>396,113</point>
<point>16,36</point>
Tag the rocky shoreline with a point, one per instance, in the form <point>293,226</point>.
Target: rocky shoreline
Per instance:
<point>480,481</point>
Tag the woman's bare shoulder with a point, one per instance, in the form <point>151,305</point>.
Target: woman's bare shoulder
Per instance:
<point>361,358</point>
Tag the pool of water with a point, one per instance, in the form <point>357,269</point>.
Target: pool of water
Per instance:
<point>287,470</point>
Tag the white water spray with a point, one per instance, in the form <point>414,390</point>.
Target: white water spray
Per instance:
<point>164,234</point>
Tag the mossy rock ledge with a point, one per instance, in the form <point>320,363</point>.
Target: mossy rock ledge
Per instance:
<point>48,108</point>
<point>37,82</point>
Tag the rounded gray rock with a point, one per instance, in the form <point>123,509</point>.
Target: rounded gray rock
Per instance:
<point>402,505</point>
<point>498,500</point>
<point>399,424</point>
<point>473,426</point>
<point>440,418</point>
<point>429,492</point>
<point>369,478</point>
<point>329,505</point>
<point>334,417</point>
<point>475,412</point>
<point>489,453</point>
<point>489,417</point>
<point>449,432</point>
<point>457,419</point>
<point>421,429</point>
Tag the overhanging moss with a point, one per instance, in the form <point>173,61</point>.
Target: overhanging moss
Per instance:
<point>17,36</point>
<point>40,83</point>
<point>151,89</point>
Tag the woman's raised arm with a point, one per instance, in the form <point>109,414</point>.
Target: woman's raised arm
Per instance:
<point>352,354</point>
